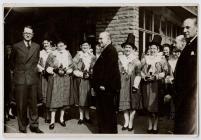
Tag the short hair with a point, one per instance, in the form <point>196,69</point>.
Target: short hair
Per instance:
<point>28,26</point>
<point>106,34</point>
<point>192,18</point>
<point>169,46</point>
<point>61,41</point>
<point>181,38</point>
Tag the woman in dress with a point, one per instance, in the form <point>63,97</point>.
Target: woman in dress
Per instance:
<point>130,68</point>
<point>43,75</point>
<point>82,70</point>
<point>169,78</point>
<point>58,66</point>
<point>153,71</point>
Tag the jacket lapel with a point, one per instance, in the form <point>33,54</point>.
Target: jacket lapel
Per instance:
<point>30,52</point>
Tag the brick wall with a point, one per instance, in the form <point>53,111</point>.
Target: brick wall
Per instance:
<point>118,21</point>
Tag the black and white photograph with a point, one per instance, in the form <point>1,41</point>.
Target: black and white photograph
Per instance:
<point>100,69</point>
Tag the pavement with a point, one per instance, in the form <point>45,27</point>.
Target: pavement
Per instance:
<point>72,115</point>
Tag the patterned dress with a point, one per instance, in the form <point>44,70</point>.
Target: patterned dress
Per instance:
<point>130,68</point>
<point>152,65</point>
<point>82,66</point>
<point>58,92</point>
<point>43,76</point>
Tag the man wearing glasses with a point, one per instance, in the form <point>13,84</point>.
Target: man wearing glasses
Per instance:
<point>24,60</point>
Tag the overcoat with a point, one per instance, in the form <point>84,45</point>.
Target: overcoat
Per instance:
<point>106,73</point>
<point>186,90</point>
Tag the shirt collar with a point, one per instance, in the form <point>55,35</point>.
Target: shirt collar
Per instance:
<point>193,39</point>
<point>25,42</point>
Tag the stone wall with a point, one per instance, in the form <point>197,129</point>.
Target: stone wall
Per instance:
<point>118,21</point>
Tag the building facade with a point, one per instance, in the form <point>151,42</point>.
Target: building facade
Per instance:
<point>73,24</point>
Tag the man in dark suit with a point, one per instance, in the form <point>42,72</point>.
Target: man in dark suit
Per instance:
<point>107,84</point>
<point>24,60</point>
<point>186,82</point>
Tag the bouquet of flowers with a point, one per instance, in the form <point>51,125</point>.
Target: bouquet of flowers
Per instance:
<point>61,71</point>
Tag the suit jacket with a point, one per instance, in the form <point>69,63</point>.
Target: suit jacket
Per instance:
<point>106,71</point>
<point>24,63</point>
<point>186,72</point>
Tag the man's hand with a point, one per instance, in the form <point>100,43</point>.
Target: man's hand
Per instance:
<point>167,98</point>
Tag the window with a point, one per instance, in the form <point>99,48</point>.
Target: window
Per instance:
<point>151,24</point>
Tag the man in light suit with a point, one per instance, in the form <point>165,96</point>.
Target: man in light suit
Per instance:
<point>24,60</point>
<point>186,82</point>
<point>106,84</point>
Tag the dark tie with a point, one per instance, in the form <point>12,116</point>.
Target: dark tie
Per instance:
<point>28,45</point>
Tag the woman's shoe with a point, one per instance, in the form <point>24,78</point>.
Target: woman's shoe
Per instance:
<point>149,131</point>
<point>80,122</point>
<point>124,128</point>
<point>11,116</point>
<point>155,131</point>
<point>51,126</point>
<point>130,129</point>
<point>63,123</point>
<point>88,121</point>
<point>47,121</point>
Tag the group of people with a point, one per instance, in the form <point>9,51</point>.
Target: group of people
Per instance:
<point>116,76</point>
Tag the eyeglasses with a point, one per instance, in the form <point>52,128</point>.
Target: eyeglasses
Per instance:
<point>28,33</point>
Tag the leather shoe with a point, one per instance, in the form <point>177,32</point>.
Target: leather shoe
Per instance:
<point>35,130</point>
<point>47,121</point>
<point>124,128</point>
<point>23,131</point>
<point>51,126</point>
<point>155,131</point>
<point>149,131</point>
<point>88,121</point>
<point>130,129</point>
<point>11,116</point>
<point>63,124</point>
<point>80,122</point>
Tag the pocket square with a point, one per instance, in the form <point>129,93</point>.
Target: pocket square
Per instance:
<point>192,53</point>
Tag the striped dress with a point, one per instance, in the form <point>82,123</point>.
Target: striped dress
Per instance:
<point>83,64</point>
<point>58,91</point>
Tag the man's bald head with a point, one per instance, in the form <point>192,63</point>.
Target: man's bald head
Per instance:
<point>190,27</point>
<point>104,39</point>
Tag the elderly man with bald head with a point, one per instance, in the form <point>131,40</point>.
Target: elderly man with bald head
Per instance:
<point>186,82</point>
<point>106,84</point>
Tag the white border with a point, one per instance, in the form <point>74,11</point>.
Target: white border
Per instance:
<point>83,3</point>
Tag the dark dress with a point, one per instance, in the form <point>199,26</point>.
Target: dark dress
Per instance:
<point>186,90</point>
<point>128,99</point>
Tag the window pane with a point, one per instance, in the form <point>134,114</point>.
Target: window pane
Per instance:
<point>156,23</point>
<point>168,29</point>
<point>174,30</point>
<point>163,27</point>
<point>148,20</point>
<point>140,43</point>
<point>148,38</point>
<point>141,18</point>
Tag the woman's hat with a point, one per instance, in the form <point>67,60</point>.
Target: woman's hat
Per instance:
<point>130,41</point>
<point>156,40</point>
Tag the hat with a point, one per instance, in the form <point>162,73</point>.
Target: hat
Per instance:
<point>130,41</point>
<point>156,40</point>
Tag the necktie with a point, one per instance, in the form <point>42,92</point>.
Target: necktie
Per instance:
<point>28,45</point>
